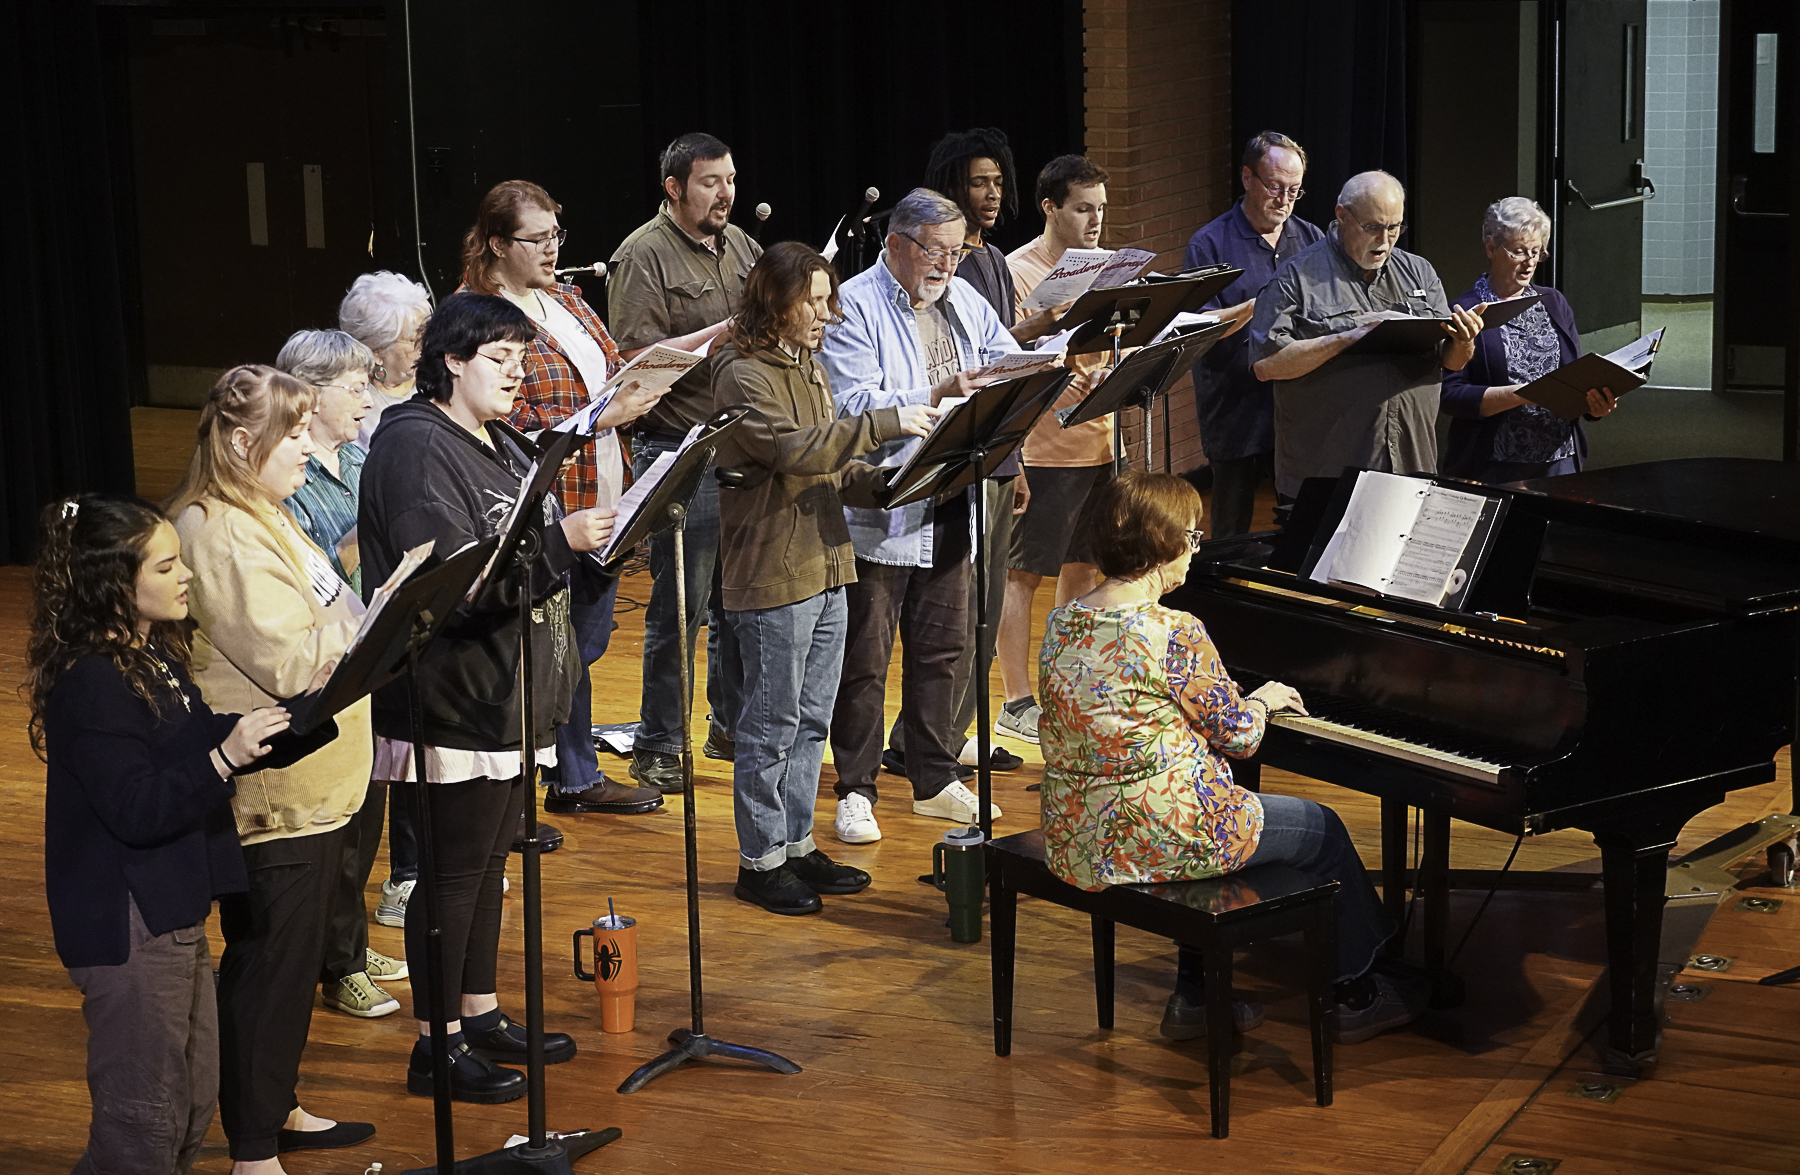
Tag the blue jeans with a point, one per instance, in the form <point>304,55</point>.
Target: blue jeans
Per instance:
<point>792,658</point>
<point>660,711</point>
<point>592,592</point>
<point>1311,837</point>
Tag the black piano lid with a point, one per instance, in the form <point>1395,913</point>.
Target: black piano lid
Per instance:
<point>1726,528</point>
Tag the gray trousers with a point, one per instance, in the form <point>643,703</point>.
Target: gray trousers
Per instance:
<point>1000,520</point>
<point>153,1053</point>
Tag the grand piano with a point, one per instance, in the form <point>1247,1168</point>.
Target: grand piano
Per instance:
<point>1626,657</point>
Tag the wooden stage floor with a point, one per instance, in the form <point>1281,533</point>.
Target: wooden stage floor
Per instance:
<point>891,1020</point>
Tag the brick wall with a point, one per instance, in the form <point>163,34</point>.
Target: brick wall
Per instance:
<point>1159,120</point>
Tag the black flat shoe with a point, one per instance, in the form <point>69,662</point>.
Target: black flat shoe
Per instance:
<point>657,769</point>
<point>821,874</point>
<point>343,1134</point>
<point>472,1078</point>
<point>893,762</point>
<point>778,891</point>
<point>505,1041</point>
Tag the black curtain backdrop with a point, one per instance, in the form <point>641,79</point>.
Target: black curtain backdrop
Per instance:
<point>819,101</point>
<point>1335,81</point>
<point>65,371</point>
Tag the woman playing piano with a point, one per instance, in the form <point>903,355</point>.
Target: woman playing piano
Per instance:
<point>1139,720</point>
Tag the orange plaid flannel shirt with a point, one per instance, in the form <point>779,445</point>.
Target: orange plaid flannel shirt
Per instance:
<point>553,391</point>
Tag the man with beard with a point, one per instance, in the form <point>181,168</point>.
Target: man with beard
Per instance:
<point>910,333</point>
<point>1369,411</point>
<point>1236,413</point>
<point>677,280</point>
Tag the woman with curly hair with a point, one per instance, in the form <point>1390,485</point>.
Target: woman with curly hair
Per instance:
<point>271,616</point>
<point>138,835</point>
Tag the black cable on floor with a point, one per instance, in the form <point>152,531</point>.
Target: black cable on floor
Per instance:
<point>1482,909</point>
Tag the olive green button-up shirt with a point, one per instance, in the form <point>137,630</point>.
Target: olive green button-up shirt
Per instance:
<point>661,283</point>
<point>1368,411</point>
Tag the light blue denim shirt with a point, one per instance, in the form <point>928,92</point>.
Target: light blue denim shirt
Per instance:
<point>874,360</point>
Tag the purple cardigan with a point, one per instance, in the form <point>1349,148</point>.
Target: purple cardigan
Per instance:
<point>1470,446</point>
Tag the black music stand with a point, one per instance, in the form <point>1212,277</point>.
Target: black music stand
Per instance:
<point>665,507</point>
<point>1142,378</point>
<point>517,547</point>
<point>969,443</point>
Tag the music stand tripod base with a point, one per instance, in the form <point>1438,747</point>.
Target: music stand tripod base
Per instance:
<point>691,1046</point>
<point>555,1156</point>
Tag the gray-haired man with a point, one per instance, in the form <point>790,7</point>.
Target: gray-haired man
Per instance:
<point>910,332</point>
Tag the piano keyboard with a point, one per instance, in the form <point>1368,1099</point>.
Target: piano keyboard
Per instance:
<point>1389,747</point>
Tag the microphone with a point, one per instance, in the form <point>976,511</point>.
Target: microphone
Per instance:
<point>858,226</point>
<point>598,269</point>
<point>762,215</point>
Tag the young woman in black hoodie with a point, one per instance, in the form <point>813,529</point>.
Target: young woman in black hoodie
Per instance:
<point>138,832</point>
<point>445,467</point>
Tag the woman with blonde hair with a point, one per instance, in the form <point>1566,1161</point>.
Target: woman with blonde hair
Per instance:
<point>272,617</point>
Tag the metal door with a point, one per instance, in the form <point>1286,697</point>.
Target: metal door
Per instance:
<point>1597,48</point>
<point>1753,278</point>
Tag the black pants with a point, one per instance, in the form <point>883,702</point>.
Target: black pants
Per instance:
<point>403,838</point>
<point>929,607</point>
<point>347,929</point>
<point>274,949</point>
<point>472,828</point>
<point>1234,493</point>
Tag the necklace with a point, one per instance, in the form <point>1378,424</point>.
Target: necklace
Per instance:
<point>169,677</point>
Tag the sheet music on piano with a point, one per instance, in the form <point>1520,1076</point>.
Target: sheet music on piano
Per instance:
<point>1408,538</point>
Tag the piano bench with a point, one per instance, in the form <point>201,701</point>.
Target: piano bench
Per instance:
<point>1216,915</point>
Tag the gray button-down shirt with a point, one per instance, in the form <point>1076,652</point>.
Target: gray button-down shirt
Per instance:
<point>1369,411</point>
<point>663,284</point>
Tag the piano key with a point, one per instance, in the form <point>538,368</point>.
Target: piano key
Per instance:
<point>1390,747</point>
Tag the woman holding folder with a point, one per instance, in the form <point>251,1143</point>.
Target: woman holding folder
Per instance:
<point>272,617</point>
<point>1495,434</point>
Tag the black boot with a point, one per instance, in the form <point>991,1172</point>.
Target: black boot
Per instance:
<point>823,875</point>
<point>472,1078</point>
<point>496,1037</point>
<point>778,891</point>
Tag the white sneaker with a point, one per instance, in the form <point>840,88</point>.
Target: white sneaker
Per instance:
<point>957,803</point>
<point>855,823</point>
<point>1022,726</point>
<point>392,910</point>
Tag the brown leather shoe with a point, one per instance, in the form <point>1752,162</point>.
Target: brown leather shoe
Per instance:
<point>606,796</point>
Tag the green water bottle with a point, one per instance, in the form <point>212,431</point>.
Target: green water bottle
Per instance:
<point>960,871</point>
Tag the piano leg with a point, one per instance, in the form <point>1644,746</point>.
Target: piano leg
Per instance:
<point>1634,864</point>
<point>1434,886</point>
<point>1393,868</point>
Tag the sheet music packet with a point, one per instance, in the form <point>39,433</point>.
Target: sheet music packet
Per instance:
<point>409,563</point>
<point>1405,537</point>
<point>1079,270</point>
<point>1416,334</point>
<point>641,489</point>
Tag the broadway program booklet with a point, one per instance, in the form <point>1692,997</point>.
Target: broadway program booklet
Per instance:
<point>1017,363</point>
<point>1400,333</point>
<point>1564,391</point>
<point>1079,270</point>
<point>657,366</point>
<point>1409,538</point>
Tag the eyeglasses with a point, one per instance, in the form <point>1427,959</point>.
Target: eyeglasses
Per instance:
<point>554,240</point>
<point>512,366</point>
<point>1194,537</point>
<point>1524,254</point>
<point>950,257</point>
<point>1377,230</point>
<point>1280,193</point>
<point>358,390</point>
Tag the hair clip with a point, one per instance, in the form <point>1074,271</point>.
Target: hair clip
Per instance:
<point>71,508</point>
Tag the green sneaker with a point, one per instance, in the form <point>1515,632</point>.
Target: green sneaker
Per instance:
<point>357,995</point>
<point>382,969</point>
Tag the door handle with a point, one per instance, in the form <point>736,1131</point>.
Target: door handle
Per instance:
<point>1646,191</point>
<point>1738,184</point>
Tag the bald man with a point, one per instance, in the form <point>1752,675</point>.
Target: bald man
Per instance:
<point>1370,411</point>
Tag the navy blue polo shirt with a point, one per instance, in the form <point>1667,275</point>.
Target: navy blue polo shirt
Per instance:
<point>1236,410</point>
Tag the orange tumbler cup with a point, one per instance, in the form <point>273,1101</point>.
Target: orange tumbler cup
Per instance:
<point>615,972</point>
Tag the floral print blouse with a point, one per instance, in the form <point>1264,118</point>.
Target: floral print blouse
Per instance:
<point>1138,714</point>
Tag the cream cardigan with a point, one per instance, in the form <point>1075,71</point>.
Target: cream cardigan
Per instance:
<point>266,627</point>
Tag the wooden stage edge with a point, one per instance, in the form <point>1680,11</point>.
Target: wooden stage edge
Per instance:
<point>891,1021</point>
